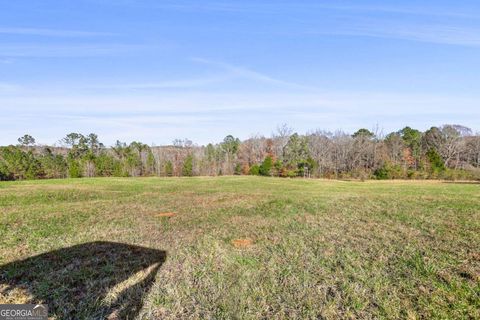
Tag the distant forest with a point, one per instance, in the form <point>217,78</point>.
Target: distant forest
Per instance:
<point>445,152</point>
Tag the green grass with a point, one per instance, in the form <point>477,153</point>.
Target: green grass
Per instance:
<point>321,249</point>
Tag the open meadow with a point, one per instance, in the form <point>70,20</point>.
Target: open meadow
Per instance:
<point>241,248</point>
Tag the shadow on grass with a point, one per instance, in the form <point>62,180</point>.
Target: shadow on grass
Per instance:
<point>77,282</point>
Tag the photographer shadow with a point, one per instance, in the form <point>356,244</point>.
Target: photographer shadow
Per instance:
<point>95,280</point>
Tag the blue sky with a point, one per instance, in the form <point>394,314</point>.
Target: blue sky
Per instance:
<point>158,70</point>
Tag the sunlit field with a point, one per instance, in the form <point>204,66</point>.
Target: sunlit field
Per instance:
<point>241,247</point>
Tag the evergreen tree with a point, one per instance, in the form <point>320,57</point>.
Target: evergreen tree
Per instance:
<point>187,170</point>
<point>437,165</point>
<point>266,166</point>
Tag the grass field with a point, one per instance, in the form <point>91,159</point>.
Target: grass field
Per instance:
<point>241,247</point>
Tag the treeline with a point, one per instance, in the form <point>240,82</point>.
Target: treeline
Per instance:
<point>445,152</point>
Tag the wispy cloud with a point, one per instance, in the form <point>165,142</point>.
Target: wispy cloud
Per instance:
<point>253,7</point>
<point>228,71</point>
<point>65,51</point>
<point>209,116</point>
<point>246,73</point>
<point>396,9</point>
<point>213,102</point>
<point>448,25</point>
<point>430,33</point>
<point>170,84</point>
<point>9,88</point>
<point>52,32</point>
<point>6,61</point>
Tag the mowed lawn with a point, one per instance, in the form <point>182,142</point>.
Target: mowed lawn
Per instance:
<point>166,248</point>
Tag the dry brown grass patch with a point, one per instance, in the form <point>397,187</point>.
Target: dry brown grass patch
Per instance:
<point>166,214</point>
<point>242,243</point>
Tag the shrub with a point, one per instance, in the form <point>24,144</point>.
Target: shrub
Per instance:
<point>411,174</point>
<point>254,170</point>
<point>118,169</point>
<point>283,172</point>
<point>291,173</point>
<point>278,165</point>
<point>238,169</point>
<point>459,174</point>
<point>74,170</point>
<point>382,173</point>
<point>266,166</point>
<point>168,169</point>
<point>388,171</point>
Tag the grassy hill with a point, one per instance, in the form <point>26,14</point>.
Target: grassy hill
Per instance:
<point>241,247</point>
